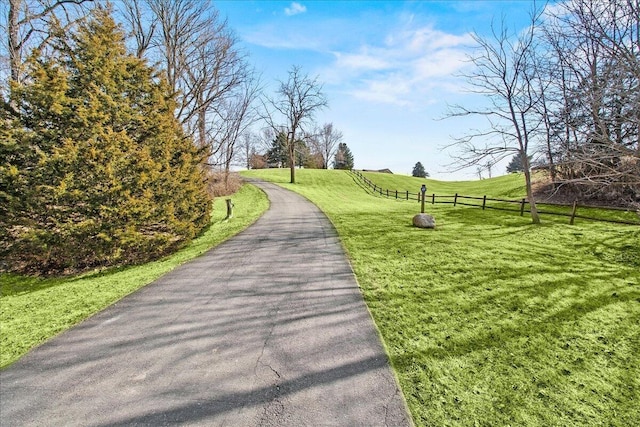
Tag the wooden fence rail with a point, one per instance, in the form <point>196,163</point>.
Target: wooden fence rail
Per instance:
<point>519,206</point>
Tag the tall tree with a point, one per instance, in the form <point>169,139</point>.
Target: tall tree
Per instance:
<point>106,176</point>
<point>199,56</point>
<point>325,141</point>
<point>419,171</point>
<point>236,115</point>
<point>343,158</point>
<point>594,48</point>
<point>247,148</point>
<point>293,109</point>
<point>503,67</point>
<point>516,164</point>
<point>277,155</point>
<point>27,23</point>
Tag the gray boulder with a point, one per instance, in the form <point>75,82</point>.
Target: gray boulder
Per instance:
<point>424,221</point>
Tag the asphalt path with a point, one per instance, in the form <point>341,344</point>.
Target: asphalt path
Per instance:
<point>267,329</point>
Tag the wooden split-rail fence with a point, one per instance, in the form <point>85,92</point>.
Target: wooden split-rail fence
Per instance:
<point>619,215</point>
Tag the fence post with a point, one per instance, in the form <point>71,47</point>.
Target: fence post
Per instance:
<point>433,199</point>
<point>484,202</point>
<point>396,194</point>
<point>455,199</point>
<point>374,188</point>
<point>229,209</point>
<point>522,207</point>
<point>407,194</point>
<point>573,211</point>
<point>387,192</point>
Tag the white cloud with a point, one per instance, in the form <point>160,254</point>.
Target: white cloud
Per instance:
<point>406,68</point>
<point>360,61</point>
<point>294,9</point>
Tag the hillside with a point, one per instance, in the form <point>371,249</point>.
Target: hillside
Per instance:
<point>511,186</point>
<point>488,319</point>
<point>507,186</point>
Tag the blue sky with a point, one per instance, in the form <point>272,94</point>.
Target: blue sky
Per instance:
<point>389,68</point>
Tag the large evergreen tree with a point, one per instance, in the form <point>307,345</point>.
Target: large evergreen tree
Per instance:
<point>343,158</point>
<point>100,172</point>
<point>418,171</point>
<point>277,155</point>
<point>515,164</point>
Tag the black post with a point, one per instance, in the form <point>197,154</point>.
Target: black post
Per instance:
<point>229,209</point>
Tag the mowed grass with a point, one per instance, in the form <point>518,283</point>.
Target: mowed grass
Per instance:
<point>488,319</point>
<point>507,186</point>
<point>35,309</point>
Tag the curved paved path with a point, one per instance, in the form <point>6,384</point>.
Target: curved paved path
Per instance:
<point>268,329</point>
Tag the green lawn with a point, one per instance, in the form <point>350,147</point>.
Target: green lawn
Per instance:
<point>33,310</point>
<point>488,319</point>
<point>507,186</point>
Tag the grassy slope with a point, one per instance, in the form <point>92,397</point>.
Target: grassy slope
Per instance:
<point>35,309</point>
<point>488,319</point>
<point>507,186</point>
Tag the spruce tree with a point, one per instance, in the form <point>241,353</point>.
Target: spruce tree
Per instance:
<point>418,171</point>
<point>515,164</point>
<point>277,154</point>
<point>107,172</point>
<point>343,158</point>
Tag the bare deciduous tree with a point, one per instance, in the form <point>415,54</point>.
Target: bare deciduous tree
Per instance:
<point>293,109</point>
<point>197,53</point>
<point>248,147</point>
<point>141,22</point>
<point>596,51</point>
<point>325,141</point>
<point>205,68</point>
<point>234,117</point>
<point>503,74</point>
<point>27,27</point>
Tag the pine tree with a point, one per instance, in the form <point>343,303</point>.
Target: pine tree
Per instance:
<point>343,158</point>
<point>418,171</point>
<point>277,155</point>
<point>515,165</point>
<point>108,175</point>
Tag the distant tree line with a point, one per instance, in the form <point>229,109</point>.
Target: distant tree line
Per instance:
<point>565,93</point>
<point>313,151</point>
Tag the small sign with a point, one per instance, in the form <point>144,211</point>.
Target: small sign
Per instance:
<point>423,189</point>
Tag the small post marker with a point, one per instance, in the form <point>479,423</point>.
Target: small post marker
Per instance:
<point>423,189</point>
<point>229,209</point>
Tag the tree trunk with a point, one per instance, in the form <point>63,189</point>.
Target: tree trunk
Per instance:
<point>292,163</point>
<point>14,42</point>
<point>535,218</point>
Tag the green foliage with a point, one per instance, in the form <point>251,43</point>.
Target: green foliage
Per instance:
<point>343,158</point>
<point>418,171</point>
<point>101,171</point>
<point>488,319</point>
<point>277,156</point>
<point>515,164</point>
<point>33,309</point>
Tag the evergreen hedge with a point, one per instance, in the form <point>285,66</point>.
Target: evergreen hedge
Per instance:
<point>96,170</point>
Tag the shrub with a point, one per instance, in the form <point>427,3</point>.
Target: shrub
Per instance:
<point>101,172</point>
